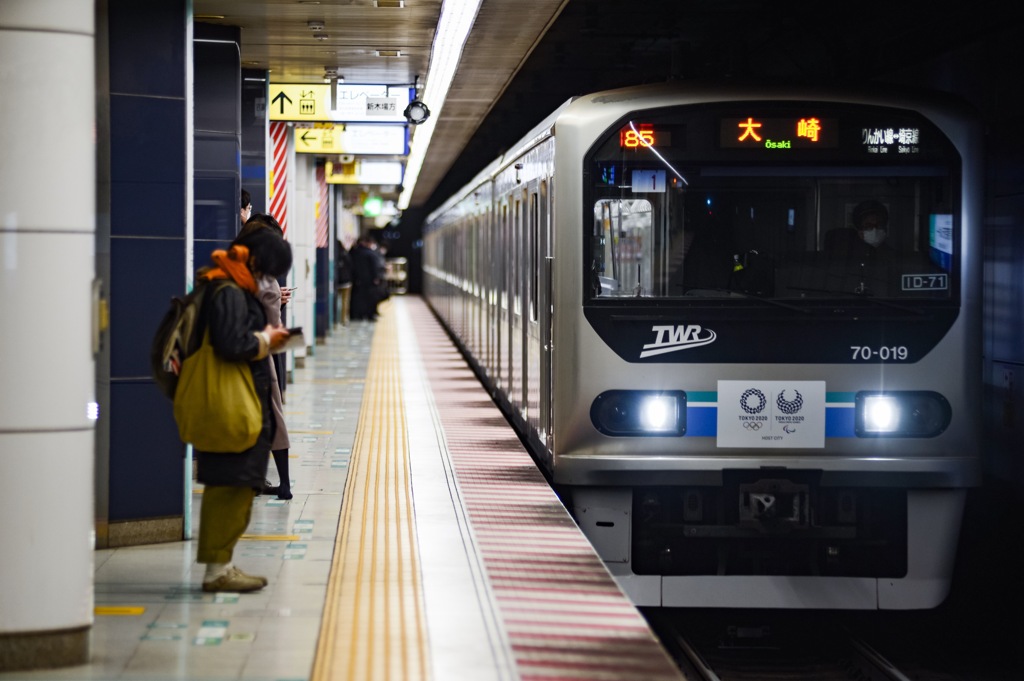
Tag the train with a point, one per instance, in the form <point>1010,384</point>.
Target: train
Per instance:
<point>740,329</point>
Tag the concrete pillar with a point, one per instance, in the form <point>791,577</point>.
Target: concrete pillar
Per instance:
<point>302,235</point>
<point>48,408</point>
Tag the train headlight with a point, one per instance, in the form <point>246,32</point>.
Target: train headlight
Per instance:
<point>631,413</point>
<point>910,413</point>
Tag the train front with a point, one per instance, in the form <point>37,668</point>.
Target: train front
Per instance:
<point>766,344</point>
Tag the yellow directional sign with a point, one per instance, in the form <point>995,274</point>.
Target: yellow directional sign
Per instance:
<point>299,102</point>
<point>364,171</point>
<point>310,102</point>
<point>354,138</point>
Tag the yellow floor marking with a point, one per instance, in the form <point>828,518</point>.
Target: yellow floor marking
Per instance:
<point>119,610</point>
<point>373,625</point>
<point>271,537</point>
<point>332,381</point>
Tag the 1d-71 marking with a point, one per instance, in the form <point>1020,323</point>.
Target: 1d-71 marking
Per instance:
<point>925,282</point>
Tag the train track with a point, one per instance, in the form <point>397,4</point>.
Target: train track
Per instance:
<point>759,647</point>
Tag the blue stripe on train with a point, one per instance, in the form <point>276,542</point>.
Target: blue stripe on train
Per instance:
<point>703,421</point>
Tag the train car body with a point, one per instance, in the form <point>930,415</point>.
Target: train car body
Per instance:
<point>742,403</point>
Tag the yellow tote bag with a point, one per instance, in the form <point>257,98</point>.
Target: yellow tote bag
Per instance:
<point>215,403</point>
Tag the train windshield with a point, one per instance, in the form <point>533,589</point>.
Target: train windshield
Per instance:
<point>786,201</point>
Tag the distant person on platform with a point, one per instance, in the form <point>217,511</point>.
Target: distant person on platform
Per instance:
<point>343,282</point>
<point>246,210</point>
<point>366,278</point>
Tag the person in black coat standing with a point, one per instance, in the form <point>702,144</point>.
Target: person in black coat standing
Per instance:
<point>239,332</point>
<point>343,282</point>
<point>365,278</point>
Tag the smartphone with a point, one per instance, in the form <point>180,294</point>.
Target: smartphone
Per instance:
<point>294,330</point>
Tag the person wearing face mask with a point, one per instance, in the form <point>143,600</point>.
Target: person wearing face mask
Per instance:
<point>868,233</point>
<point>871,220</point>
<point>863,260</point>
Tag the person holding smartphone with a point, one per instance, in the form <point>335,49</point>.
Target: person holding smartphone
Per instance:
<point>236,324</point>
<point>274,297</point>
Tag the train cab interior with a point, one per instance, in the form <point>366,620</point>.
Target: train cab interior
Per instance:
<point>777,237</point>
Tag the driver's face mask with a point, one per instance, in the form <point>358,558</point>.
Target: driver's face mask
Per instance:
<point>874,237</point>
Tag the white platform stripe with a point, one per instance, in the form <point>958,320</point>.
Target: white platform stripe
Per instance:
<point>561,609</point>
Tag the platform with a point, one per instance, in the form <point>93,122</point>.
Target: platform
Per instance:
<point>421,543</point>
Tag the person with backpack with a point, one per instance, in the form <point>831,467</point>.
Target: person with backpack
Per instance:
<point>238,331</point>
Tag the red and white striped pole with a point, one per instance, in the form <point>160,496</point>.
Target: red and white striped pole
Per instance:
<point>279,173</point>
<point>321,207</point>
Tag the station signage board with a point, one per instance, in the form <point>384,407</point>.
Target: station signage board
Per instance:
<point>353,103</point>
<point>364,171</point>
<point>353,138</point>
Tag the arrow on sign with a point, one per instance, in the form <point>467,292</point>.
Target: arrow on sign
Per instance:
<point>281,96</point>
<point>303,138</point>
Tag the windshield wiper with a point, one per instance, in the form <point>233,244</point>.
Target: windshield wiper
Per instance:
<point>860,296</point>
<point>737,294</point>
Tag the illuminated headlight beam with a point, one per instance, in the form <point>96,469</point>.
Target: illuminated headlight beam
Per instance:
<point>881,414</point>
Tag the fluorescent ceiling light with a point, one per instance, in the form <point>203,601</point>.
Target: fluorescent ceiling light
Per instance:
<point>457,17</point>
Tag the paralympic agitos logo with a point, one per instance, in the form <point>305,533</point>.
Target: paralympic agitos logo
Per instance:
<point>673,338</point>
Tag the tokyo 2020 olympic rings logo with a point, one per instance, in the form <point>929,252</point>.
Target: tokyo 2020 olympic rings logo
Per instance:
<point>758,396</point>
<point>789,406</point>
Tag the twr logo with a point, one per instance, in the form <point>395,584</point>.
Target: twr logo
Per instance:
<point>672,338</point>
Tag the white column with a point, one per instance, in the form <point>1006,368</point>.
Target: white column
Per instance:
<point>302,235</point>
<point>47,365</point>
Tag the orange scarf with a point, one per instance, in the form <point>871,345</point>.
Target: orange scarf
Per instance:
<point>232,264</point>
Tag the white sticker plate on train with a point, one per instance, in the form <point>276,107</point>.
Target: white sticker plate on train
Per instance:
<point>771,414</point>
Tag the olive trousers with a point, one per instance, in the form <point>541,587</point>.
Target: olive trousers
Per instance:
<point>223,519</point>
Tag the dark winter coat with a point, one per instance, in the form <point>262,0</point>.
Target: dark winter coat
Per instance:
<point>232,315</point>
<point>342,267</point>
<point>365,282</point>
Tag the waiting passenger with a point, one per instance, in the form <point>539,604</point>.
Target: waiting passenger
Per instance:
<point>274,298</point>
<point>245,212</point>
<point>238,331</point>
<point>366,278</point>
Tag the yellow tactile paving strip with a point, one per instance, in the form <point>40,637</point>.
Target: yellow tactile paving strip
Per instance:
<point>373,622</point>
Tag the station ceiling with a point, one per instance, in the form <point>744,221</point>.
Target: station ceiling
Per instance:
<point>298,40</point>
<point>525,57</point>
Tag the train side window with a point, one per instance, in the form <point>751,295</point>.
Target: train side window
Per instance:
<point>534,255</point>
<point>621,240</point>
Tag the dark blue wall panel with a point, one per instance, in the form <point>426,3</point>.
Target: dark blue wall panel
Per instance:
<point>147,139</point>
<point>148,208</point>
<point>146,458</point>
<point>145,274</point>
<point>254,137</point>
<point>216,208</point>
<point>148,174</point>
<point>147,47</point>
<point>324,297</point>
